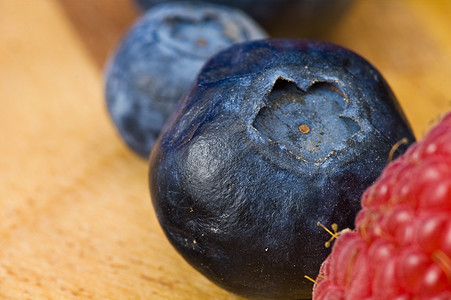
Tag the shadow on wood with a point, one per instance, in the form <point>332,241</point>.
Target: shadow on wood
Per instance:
<point>100,24</point>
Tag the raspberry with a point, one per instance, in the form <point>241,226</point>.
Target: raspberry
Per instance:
<point>401,247</point>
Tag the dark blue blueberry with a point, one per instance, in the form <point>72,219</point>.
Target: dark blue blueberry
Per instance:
<point>274,137</point>
<point>159,59</point>
<point>302,18</point>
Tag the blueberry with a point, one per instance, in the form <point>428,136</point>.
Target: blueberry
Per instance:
<point>275,136</point>
<point>305,18</point>
<point>159,59</point>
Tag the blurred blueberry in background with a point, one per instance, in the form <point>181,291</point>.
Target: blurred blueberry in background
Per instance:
<point>159,59</point>
<point>284,18</point>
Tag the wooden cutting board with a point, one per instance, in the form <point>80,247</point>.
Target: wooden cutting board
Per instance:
<point>76,220</point>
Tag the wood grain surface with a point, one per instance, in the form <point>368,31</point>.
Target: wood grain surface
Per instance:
<point>76,220</point>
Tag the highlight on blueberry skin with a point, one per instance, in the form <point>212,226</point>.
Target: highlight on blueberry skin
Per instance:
<point>284,18</point>
<point>159,59</point>
<point>274,137</point>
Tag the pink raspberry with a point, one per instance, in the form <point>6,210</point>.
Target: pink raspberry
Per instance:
<point>401,248</point>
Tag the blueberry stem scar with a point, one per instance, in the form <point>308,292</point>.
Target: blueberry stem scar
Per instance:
<point>304,128</point>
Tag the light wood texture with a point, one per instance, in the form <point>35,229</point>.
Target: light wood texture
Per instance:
<point>76,220</point>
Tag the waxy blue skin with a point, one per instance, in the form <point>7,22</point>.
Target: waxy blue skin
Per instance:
<point>239,189</point>
<point>159,59</point>
<point>284,18</point>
